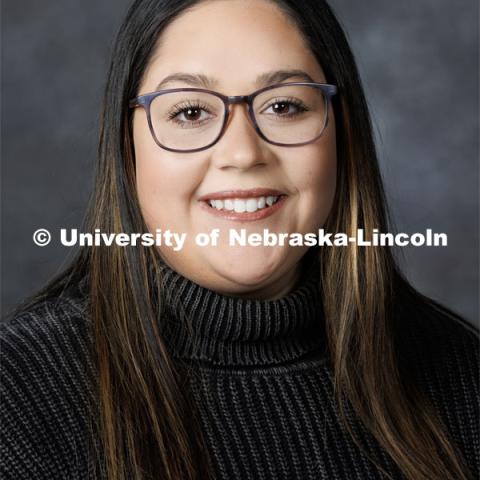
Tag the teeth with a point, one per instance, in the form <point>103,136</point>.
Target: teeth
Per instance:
<point>228,204</point>
<point>241,205</point>
<point>251,205</point>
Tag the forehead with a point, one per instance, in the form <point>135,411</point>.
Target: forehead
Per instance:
<point>234,41</point>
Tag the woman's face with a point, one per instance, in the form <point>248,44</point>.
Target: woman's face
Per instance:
<point>233,42</point>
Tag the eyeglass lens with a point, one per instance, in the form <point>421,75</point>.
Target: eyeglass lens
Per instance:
<point>190,119</point>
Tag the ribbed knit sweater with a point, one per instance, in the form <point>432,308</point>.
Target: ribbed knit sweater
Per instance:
<point>263,386</point>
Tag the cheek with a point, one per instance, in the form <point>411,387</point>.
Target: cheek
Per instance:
<point>165,181</point>
<point>316,184</point>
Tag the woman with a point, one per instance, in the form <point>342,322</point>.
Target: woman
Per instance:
<point>237,361</point>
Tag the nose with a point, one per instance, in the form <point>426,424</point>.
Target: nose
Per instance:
<point>240,146</point>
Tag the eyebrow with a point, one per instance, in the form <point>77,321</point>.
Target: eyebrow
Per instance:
<point>204,81</point>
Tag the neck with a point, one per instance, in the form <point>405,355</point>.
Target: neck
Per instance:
<point>204,325</point>
<point>278,288</point>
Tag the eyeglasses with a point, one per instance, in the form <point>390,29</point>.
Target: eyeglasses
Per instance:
<point>193,119</point>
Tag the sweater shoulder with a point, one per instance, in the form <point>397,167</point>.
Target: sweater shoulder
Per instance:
<point>45,319</point>
<point>50,336</point>
<point>439,353</point>
<point>437,345</point>
<point>47,333</point>
<point>442,353</point>
<point>70,304</point>
<point>439,338</point>
<point>45,366</point>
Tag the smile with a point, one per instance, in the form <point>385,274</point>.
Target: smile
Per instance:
<point>240,205</point>
<point>244,205</point>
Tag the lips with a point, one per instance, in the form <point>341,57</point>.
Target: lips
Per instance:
<point>245,205</point>
<point>241,205</point>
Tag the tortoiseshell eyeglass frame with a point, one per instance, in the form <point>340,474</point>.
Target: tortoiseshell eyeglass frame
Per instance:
<point>145,101</point>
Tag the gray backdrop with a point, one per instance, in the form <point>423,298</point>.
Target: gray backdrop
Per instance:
<point>419,63</point>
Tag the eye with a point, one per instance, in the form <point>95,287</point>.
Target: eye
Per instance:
<point>285,108</point>
<point>189,114</point>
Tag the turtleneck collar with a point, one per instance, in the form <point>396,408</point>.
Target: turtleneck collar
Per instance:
<point>229,331</point>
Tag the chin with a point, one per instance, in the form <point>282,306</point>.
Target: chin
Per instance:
<point>249,267</point>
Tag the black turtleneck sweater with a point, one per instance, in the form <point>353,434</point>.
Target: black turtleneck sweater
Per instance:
<point>263,386</point>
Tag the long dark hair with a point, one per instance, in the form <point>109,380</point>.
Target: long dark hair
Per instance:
<point>144,410</point>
